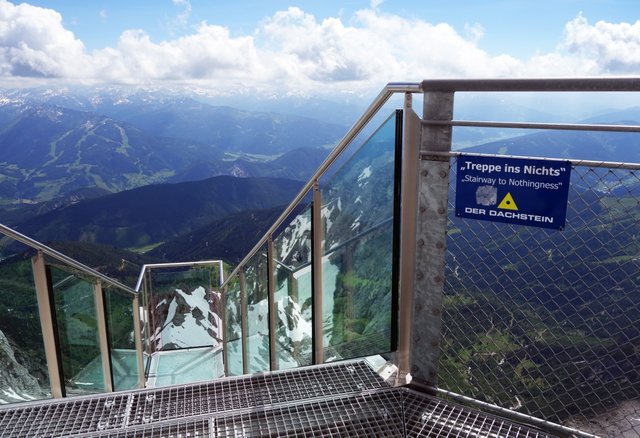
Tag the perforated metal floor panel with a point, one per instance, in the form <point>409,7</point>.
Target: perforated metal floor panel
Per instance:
<point>346,399</point>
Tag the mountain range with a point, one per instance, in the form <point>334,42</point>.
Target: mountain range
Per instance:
<point>229,238</point>
<point>53,144</point>
<point>152,214</point>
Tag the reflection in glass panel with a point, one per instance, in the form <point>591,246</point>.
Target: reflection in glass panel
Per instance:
<point>233,326</point>
<point>256,275</point>
<point>77,333</point>
<point>217,276</point>
<point>183,310</point>
<point>185,366</point>
<point>23,374</point>
<point>357,215</point>
<point>124,365</point>
<point>292,253</point>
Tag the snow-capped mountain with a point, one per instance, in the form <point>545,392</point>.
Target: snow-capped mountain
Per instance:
<point>186,319</point>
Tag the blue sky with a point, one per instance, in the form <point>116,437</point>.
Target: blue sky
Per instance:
<point>301,46</point>
<point>510,26</point>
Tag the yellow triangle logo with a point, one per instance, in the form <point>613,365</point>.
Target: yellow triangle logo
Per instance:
<point>508,203</point>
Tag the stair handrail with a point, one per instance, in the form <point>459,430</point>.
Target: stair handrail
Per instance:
<point>10,232</point>
<point>382,98</point>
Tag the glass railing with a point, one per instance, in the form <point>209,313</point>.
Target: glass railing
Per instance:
<point>182,321</point>
<point>77,331</point>
<point>293,283</point>
<point>23,374</point>
<point>68,329</point>
<point>233,328</point>
<point>257,308</point>
<point>122,344</point>
<point>357,215</point>
<point>320,287</point>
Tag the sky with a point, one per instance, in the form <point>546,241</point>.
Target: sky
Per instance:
<point>311,47</point>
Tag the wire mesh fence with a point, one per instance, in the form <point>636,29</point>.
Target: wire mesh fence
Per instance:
<point>547,322</point>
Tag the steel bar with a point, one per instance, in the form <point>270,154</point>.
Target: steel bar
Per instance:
<point>47,324</point>
<point>528,125</point>
<point>145,268</point>
<point>271,302</point>
<point>243,322</point>
<point>137,333</point>
<point>317,247</point>
<point>224,297</point>
<point>603,84</point>
<point>411,139</point>
<point>103,335</point>
<point>63,258</point>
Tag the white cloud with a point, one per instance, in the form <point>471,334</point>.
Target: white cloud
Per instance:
<point>372,50</point>
<point>292,50</point>
<point>34,43</point>
<point>210,53</point>
<point>614,47</point>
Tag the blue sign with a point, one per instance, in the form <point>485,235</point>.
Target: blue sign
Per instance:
<point>514,190</point>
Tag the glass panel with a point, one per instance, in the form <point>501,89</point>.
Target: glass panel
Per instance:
<point>148,342</point>
<point>182,309</point>
<point>216,272</point>
<point>23,374</point>
<point>357,215</point>
<point>256,275</point>
<point>233,325</point>
<point>292,250</point>
<point>124,365</point>
<point>185,366</point>
<point>77,332</point>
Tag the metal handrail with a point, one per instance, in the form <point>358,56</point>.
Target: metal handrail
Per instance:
<point>603,84</point>
<point>9,232</point>
<point>146,267</point>
<point>528,125</point>
<point>386,93</point>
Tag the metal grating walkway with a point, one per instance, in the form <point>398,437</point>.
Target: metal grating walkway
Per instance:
<point>346,399</point>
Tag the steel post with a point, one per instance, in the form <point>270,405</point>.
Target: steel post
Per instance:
<point>271,302</point>
<point>431,233</point>
<point>137,333</point>
<point>317,246</point>
<point>103,335</point>
<point>243,322</point>
<point>46,309</point>
<point>410,160</point>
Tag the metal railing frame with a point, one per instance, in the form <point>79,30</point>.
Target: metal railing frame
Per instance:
<point>312,186</point>
<point>434,155</point>
<point>147,267</point>
<point>143,286</point>
<point>64,259</point>
<point>47,312</point>
<point>47,324</point>
<point>426,154</point>
<point>46,308</point>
